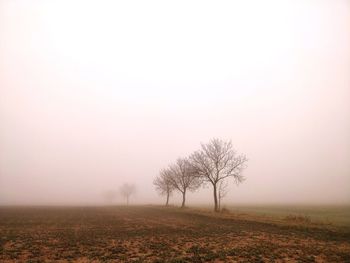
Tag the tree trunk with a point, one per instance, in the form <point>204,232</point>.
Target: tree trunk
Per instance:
<point>127,200</point>
<point>216,208</point>
<point>167,200</point>
<point>183,199</point>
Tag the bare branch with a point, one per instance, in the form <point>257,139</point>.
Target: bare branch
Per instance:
<point>216,161</point>
<point>183,177</point>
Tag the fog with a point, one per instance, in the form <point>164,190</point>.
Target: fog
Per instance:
<point>95,94</point>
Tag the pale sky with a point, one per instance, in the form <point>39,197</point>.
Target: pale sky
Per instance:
<point>94,94</point>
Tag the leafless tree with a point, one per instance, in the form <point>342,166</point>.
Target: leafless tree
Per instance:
<point>126,190</point>
<point>216,161</point>
<point>163,184</point>
<point>222,191</point>
<point>183,178</point>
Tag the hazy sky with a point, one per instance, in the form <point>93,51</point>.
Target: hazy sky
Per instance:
<point>97,93</point>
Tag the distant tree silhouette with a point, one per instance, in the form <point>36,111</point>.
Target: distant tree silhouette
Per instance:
<point>163,184</point>
<point>126,190</point>
<point>110,196</point>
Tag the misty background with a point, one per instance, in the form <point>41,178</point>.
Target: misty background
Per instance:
<point>94,94</point>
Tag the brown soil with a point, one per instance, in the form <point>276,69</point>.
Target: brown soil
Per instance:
<point>156,234</point>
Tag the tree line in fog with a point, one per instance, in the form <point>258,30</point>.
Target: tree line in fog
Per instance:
<point>126,191</point>
<point>214,164</point>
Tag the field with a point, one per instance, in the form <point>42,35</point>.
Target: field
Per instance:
<point>157,234</point>
<point>338,215</point>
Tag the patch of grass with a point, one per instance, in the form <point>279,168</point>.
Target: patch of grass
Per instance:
<point>338,215</point>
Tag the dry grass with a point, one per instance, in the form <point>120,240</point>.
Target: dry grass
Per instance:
<point>156,234</point>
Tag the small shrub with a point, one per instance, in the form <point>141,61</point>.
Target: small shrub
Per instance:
<point>298,219</point>
<point>225,211</point>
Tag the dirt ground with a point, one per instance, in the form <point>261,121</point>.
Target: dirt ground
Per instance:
<point>157,234</point>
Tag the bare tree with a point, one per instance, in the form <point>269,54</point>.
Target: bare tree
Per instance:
<point>216,161</point>
<point>163,184</point>
<point>126,190</point>
<point>222,191</point>
<point>183,178</point>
